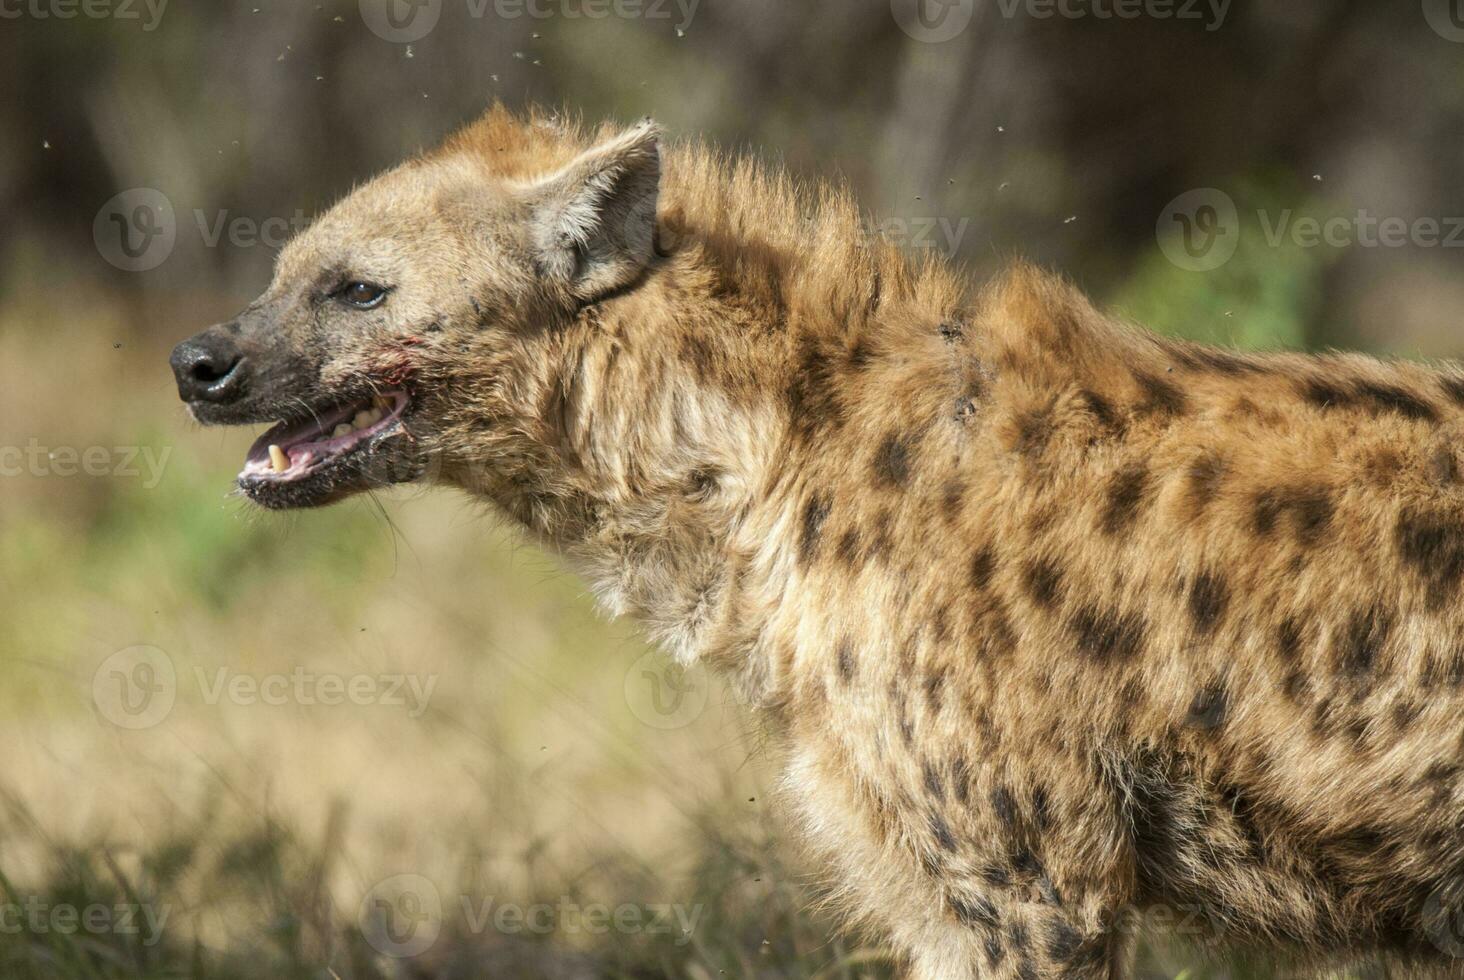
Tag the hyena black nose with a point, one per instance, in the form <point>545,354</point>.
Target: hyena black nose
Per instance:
<point>209,367</point>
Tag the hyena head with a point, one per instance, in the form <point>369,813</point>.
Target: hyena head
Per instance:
<point>424,307</point>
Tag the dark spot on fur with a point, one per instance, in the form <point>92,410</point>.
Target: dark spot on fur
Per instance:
<point>1454,389</point>
<point>1266,510</point>
<point>951,498</point>
<point>942,832</point>
<point>1310,508</point>
<point>1108,636</point>
<point>815,513</point>
<point>1405,712</point>
<point>892,462</point>
<point>932,781</point>
<point>996,875</point>
<point>983,565</point>
<point>1005,806</point>
<point>935,690</point>
<point>1063,942</point>
<point>1323,394</point>
<point>1203,479</point>
<point>975,911</point>
<point>1101,411</point>
<point>1041,809</point>
<point>1209,595</point>
<point>846,662</point>
<point>1362,642</point>
<point>813,393</point>
<point>1034,429</point>
<point>1124,498</point>
<point>1432,544</point>
<point>1159,396</point>
<point>1369,396</point>
<point>1288,641</point>
<point>940,625</point>
<point>847,550</point>
<point>1043,582</point>
<point>1209,707</point>
<point>994,952</point>
<point>1223,362</point>
<point>961,780</point>
<point>951,331</point>
<point>1296,686</point>
<point>698,353</point>
<point>1442,467</point>
<point>1387,398</point>
<point>1441,772</point>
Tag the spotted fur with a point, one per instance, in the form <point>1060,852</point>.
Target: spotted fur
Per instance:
<point>1050,619</point>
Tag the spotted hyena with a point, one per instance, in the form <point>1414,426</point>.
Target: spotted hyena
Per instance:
<point>1051,620</point>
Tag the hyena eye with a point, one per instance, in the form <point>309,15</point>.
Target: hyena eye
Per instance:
<point>362,295</point>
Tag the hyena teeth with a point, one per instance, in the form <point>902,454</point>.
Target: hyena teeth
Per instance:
<point>366,418</point>
<point>278,459</point>
<point>343,429</point>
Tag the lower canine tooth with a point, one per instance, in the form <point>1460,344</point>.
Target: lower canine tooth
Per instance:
<point>278,459</point>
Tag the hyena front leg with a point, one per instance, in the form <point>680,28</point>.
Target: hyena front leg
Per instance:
<point>997,940</point>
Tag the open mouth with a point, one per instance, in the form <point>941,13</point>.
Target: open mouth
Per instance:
<point>326,444</point>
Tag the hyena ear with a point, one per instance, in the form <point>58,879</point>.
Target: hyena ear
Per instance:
<point>593,223</point>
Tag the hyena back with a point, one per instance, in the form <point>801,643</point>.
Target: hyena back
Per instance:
<point>1052,620</point>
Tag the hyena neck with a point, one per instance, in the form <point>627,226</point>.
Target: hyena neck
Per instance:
<point>676,461</point>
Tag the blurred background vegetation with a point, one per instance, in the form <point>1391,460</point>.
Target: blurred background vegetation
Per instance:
<point>541,769</point>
